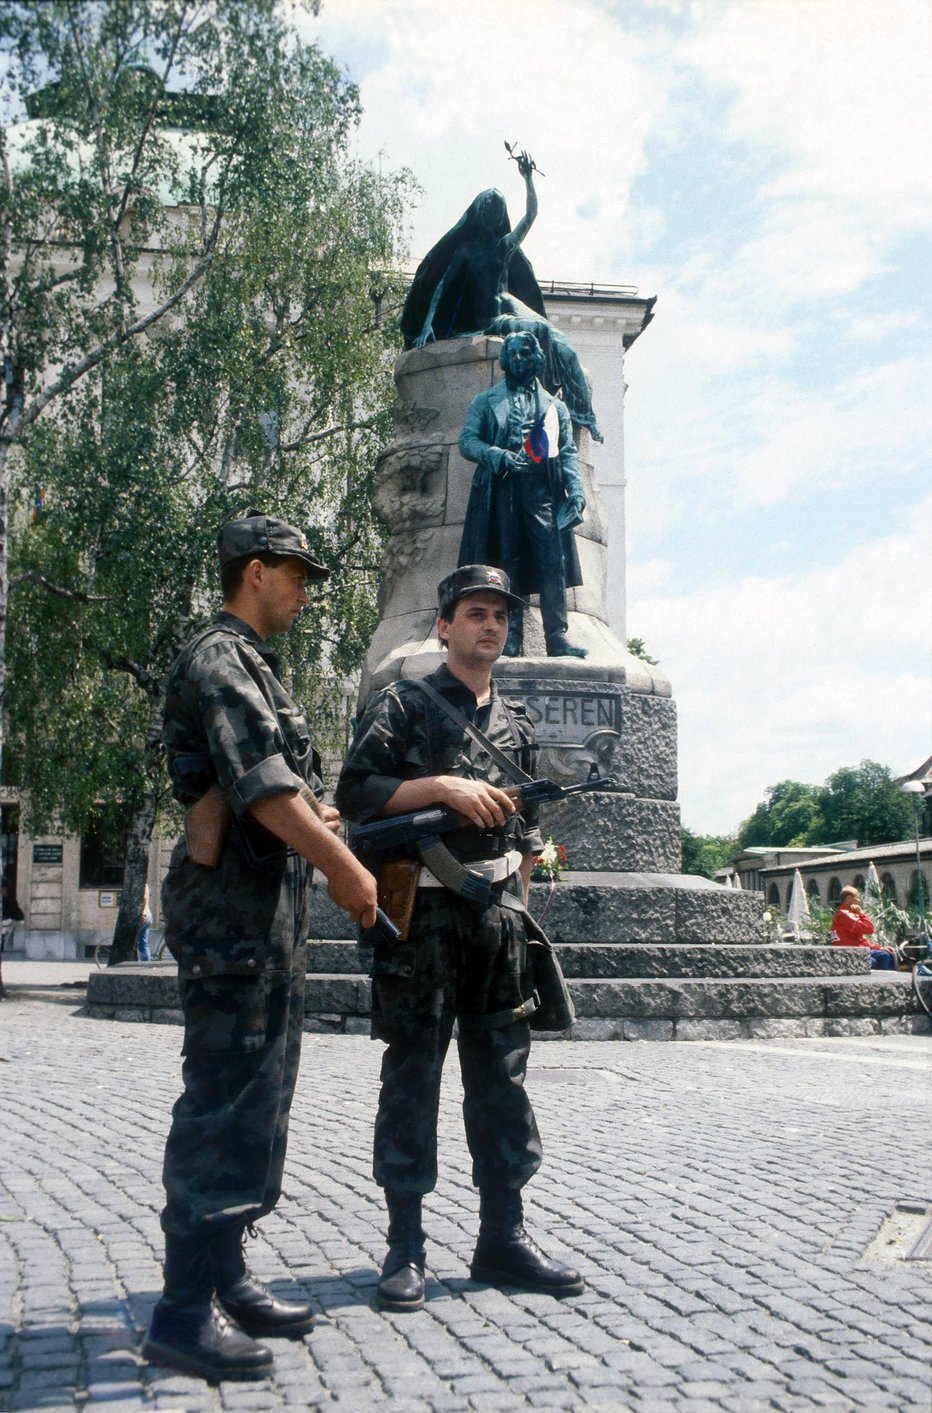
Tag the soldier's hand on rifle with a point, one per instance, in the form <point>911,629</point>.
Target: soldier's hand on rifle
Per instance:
<point>478,802</point>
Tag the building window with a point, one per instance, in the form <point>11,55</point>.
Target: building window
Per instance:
<point>101,858</point>
<point>860,882</point>
<point>834,890</point>
<point>773,897</point>
<point>812,889</point>
<point>888,886</point>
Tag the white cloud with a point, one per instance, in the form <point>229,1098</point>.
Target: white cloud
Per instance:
<point>768,157</point>
<point>742,408</point>
<point>840,87</point>
<point>838,91</point>
<point>794,676</point>
<point>870,425</point>
<point>451,84</point>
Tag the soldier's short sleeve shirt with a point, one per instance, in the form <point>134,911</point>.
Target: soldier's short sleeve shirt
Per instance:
<point>229,719</point>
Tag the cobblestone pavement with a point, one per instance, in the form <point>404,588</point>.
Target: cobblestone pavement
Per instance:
<point>732,1206</point>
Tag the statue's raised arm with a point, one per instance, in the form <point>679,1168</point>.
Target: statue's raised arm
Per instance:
<point>526,167</point>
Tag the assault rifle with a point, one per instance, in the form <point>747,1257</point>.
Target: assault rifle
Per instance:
<point>410,829</point>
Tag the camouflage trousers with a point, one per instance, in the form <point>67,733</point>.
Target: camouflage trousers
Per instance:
<point>225,1153</point>
<point>466,964</point>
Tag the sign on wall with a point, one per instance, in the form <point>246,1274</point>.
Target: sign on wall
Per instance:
<point>46,853</point>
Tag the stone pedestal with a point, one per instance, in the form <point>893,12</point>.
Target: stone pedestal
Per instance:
<point>609,710</point>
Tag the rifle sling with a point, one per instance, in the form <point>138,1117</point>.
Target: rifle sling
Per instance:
<point>509,767</point>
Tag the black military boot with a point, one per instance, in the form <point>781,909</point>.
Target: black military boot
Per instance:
<point>251,1304</point>
<point>506,1255</point>
<point>562,647</point>
<point>402,1283</point>
<point>514,643</point>
<point>189,1332</point>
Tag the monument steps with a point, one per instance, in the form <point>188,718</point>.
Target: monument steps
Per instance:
<point>651,992</point>
<point>590,961</point>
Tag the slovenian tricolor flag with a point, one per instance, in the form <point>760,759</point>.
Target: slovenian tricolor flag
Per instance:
<point>543,440</point>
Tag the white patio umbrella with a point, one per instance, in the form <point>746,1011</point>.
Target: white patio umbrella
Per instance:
<point>736,881</point>
<point>872,889</point>
<point>797,914</point>
<point>728,880</point>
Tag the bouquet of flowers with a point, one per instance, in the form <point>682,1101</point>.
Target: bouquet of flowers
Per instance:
<point>550,863</point>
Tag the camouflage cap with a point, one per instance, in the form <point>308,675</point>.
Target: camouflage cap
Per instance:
<point>261,534</point>
<point>474,579</point>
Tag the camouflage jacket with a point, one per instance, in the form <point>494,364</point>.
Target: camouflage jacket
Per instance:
<point>229,720</point>
<point>402,736</point>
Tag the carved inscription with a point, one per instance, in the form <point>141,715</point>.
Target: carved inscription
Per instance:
<point>564,718</point>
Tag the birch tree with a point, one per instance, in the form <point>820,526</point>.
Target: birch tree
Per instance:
<point>194,279</point>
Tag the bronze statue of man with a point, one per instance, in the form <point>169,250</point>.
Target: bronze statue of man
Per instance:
<point>527,492</point>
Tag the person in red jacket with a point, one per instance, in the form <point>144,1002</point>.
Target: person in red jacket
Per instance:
<point>852,928</point>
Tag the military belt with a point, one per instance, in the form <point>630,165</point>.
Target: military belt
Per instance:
<point>492,870</point>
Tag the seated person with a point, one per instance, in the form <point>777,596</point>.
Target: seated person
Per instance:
<point>852,927</point>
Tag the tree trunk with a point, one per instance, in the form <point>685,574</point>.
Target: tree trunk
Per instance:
<point>135,874</point>
<point>139,841</point>
<point>4,575</point>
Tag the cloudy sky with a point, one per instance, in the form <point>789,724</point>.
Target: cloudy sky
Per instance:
<point>762,168</point>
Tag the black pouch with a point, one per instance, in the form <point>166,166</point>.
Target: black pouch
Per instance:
<point>555,1010</point>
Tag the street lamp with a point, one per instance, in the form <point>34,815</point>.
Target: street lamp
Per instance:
<point>915,789</point>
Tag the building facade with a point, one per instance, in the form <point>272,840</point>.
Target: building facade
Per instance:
<point>825,871</point>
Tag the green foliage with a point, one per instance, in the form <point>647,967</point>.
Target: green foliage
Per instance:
<point>789,816</point>
<point>862,803</point>
<point>704,853</point>
<point>637,648</point>
<point>192,274</point>
<point>865,803</point>
<point>892,923</point>
<point>266,382</point>
<point>819,929</point>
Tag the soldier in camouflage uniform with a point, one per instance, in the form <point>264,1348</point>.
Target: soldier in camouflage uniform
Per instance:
<point>238,932</point>
<point>461,962</point>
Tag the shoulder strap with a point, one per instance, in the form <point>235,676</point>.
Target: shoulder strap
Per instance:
<point>524,748</point>
<point>509,767</point>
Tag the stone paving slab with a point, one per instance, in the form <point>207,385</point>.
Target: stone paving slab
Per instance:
<point>720,1199</point>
